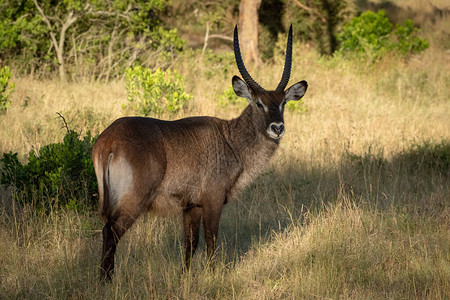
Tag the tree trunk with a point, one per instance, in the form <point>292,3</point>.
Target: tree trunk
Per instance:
<point>58,45</point>
<point>248,30</point>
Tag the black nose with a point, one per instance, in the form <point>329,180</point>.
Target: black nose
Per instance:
<point>277,129</point>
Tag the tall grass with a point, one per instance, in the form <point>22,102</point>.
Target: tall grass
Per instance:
<point>355,203</point>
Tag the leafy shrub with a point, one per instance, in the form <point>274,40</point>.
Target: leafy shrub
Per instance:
<point>297,106</point>
<point>6,88</point>
<point>373,34</point>
<point>407,39</point>
<point>229,97</point>
<point>155,92</point>
<point>218,64</point>
<point>126,32</point>
<point>59,174</point>
<point>370,30</point>
<point>168,40</point>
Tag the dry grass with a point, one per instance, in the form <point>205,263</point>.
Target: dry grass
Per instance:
<point>347,209</point>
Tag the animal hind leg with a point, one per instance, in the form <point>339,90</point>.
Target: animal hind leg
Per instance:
<point>110,241</point>
<point>124,217</point>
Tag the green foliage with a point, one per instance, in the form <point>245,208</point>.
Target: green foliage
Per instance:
<point>21,31</point>
<point>6,88</point>
<point>101,39</point>
<point>370,30</point>
<point>218,63</point>
<point>155,92</point>
<point>320,24</point>
<point>229,97</point>
<point>407,39</point>
<point>197,14</point>
<point>296,106</point>
<point>169,40</point>
<point>372,33</point>
<point>61,172</point>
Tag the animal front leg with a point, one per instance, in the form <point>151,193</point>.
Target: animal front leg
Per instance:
<point>211,218</point>
<point>191,224</point>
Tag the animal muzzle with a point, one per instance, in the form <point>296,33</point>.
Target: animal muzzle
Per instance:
<point>276,130</point>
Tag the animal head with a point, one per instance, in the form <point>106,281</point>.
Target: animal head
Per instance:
<point>267,106</point>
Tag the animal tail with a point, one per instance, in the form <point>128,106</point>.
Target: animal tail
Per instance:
<point>106,209</point>
<point>102,172</point>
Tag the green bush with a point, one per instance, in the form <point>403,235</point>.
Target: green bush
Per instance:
<point>155,92</point>
<point>297,106</point>
<point>59,174</point>
<point>104,38</point>
<point>372,33</point>
<point>407,39</point>
<point>229,97</point>
<point>218,64</point>
<point>6,88</point>
<point>368,32</point>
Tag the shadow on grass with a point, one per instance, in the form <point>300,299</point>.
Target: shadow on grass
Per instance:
<point>415,180</point>
<point>48,255</point>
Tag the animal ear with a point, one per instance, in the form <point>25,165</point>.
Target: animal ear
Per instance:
<point>296,91</point>
<point>241,88</point>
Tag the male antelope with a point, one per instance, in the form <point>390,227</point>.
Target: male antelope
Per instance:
<point>196,164</point>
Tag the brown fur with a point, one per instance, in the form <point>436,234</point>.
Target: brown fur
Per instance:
<point>194,165</point>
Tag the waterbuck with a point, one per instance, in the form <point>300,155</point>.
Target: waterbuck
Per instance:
<point>195,164</point>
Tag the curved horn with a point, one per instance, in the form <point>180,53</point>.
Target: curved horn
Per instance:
<point>287,64</point>
<point>240,64</point>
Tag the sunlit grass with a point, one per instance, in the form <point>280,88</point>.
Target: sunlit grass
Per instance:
<point>355,204</point>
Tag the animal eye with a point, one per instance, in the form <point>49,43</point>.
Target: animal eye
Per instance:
<point>259,104</point>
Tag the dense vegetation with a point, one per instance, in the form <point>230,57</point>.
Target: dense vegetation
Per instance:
<point>6,88</point>
<point>354,205</point>
<point>372,34</point>
<point>91,39</point>
<point>154,92</point>
<point>59,174</point>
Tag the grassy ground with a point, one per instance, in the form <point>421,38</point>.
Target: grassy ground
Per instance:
<point>355,204</point>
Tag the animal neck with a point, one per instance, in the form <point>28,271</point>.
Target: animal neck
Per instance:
<point>246,139</point>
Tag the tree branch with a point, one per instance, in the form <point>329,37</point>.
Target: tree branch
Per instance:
<point>46,21</point>
<point>213,36</point>
<point>206,39</point>
<point>65,123</point>
<point>58,45</point>
<point>221,36</point>
<point>310,10</point>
